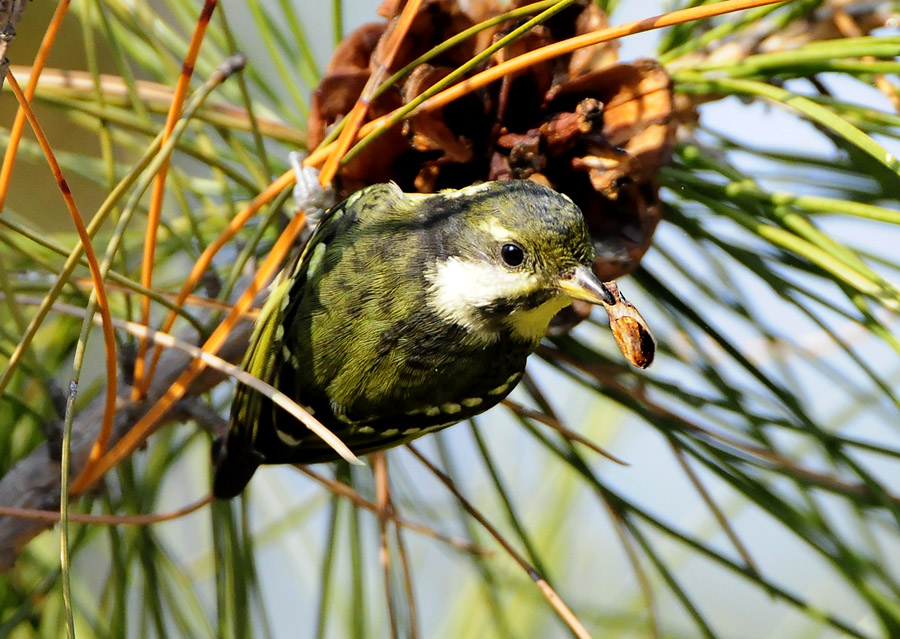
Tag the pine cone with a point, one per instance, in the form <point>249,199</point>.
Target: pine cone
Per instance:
<point>585,124</point>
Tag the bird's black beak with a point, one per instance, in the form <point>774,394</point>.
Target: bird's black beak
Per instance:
<point>582,284</point>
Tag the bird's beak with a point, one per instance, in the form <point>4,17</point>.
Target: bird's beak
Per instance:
<point>582,284</point>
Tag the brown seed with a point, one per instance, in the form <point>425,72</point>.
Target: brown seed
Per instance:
<point>630,330</point>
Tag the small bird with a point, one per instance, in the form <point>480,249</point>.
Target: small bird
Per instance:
<point>405,314</point>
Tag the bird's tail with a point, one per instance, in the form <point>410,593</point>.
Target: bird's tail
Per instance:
<point>234,464</point>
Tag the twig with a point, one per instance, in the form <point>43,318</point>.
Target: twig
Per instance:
<point>34,482</point>
<point>90,255</point>
<point>752,452</point>
<point>546,589</point>
<point>714,508</point>
<point>343,490</point>
<point>555,424</point>
<point>518,63</point>
<point>11,12</point>
<point>413,630</point>
<point>52,516</point>
<point>388,45</point>
<point>383,503</point>
<point>643,580</point>
<point>209,359</point>
<point>141,376</point>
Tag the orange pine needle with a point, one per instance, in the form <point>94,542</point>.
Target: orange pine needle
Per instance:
<point>141,381</point>
<point>358,112</point>
<point>102,301</point>
<point>15,133</point>
<point>106,520</point>
<point>521,62</point>
<point>205,259</point>
<point>142,429</point>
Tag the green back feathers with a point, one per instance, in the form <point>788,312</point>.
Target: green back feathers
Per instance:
<point>403,314</point>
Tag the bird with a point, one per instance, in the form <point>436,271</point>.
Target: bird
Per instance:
<point>405,313</point>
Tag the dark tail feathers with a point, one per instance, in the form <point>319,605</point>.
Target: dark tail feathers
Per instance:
<point>235,465</point>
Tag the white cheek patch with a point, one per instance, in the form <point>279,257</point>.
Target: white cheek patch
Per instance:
<point>458,288</point>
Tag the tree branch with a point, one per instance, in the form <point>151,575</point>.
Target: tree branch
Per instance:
<point>34,482</point>
<point>11,12</point>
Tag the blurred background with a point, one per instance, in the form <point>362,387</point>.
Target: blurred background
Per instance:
<point>758,491</point>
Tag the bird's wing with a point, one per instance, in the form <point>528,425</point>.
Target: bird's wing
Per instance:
<point>237,456</point>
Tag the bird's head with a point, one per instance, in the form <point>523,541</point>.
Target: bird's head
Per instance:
<point>512,254</point>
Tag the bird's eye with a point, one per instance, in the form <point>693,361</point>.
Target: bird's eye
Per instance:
<point>512,254</point>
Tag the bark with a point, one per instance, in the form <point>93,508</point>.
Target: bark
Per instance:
<point>34,482</point>
<point>10,13</point>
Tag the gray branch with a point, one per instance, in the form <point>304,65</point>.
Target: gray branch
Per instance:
<point>10,13</point>
<point>34,482</point>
